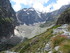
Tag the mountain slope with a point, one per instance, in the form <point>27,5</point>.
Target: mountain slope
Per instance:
<point>45,43</point>
<point>53,16</point>
<point>54,39</point>
<point>64,17</point>
<point>35,44</point>
<point>8,22</point>
<point>31,16</point>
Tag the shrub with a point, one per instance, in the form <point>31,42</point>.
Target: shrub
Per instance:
<point>54,51</point>
<point>54,27</point>
<point>55,41</point>
<point>65,47</point>
<point>6,20</point>
<point>69,27</point>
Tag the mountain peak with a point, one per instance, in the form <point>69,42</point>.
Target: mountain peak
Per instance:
<point>31,16</point>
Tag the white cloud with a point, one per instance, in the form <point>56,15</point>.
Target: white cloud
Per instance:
<point>39,4</point>
<point>17,7</point>
<point>59,4</point>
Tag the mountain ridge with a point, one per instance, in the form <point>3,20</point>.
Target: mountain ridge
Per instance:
<point>31,16</point>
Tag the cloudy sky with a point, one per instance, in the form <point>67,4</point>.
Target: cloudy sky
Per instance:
<point>40,5</point>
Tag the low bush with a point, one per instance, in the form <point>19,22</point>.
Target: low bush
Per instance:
<point>65,47</point>
<point>55,41</point>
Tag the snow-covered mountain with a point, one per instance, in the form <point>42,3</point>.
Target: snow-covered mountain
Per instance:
<point>31,16</point>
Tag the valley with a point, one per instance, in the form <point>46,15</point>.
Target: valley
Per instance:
<point>30,30</point>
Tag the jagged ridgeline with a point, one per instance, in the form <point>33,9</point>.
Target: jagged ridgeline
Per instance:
<point>64,17</point>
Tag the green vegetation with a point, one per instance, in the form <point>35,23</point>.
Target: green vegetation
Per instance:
<point>57,40</point>
<point>54,51</point>
<point>56,26</point>
<point>35,44</point>
<point>65,47</point>
<point>63,42</point>
<point>6,20</point>
<point>9,19</point>
<point>5,16</point>
<point>69,27</point>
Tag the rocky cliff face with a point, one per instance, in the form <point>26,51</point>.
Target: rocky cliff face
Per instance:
<point>64,17</point>
<point>7,20</point>
<point>6,11</point>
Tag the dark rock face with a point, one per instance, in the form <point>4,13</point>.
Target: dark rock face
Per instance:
<point>6,10</point>
<point>7,19</point>
<point>64,17</point>
<point>8,22</point>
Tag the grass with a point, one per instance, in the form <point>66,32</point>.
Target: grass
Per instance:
<point>65,47</point>
<point>54,51</point>
<point>35,44</point>
<point>69,27</point>
<point>61,41</point>
<point>57,40</point>
<point>6,20</point>
<point>56,26</point>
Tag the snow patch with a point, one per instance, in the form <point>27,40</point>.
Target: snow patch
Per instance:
<point>28,13</point>
<point>24,10</point>
<point>39,14</point>
<point>31,9</point>
<point>24,24</point>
